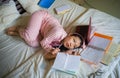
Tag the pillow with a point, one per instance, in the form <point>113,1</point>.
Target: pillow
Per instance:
<point>30,5</point>
<point>4,2</point>
<point>8,13</point>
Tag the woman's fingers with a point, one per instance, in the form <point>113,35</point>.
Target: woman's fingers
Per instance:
<point>55,51</point>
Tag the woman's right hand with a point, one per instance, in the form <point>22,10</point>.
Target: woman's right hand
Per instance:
<point>55,51</point>
<point>51,55</point>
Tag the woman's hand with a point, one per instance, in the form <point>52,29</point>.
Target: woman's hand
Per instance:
<point>51,55</point>
<point>55,51</point>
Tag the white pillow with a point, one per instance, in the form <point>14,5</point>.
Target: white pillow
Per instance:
<point>30,5</point>
<point>8,13</point>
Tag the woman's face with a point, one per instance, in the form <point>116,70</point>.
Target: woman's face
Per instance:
<point>71,42</point>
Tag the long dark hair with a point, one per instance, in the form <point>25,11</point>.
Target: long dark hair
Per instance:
<point>63,48</point>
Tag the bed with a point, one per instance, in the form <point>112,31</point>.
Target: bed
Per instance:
<point>18,60</point>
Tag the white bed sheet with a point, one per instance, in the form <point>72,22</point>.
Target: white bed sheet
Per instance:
<point>18,60</point>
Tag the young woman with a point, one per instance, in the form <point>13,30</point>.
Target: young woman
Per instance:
<point>45,30</point>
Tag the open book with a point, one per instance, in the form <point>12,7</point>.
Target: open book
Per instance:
<point>113,51</point>
<point>67,63</point>
<point>96,48</point>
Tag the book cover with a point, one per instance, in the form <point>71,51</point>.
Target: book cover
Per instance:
<point>96,48</point>
<point>85,31</point>
<point>67,63</point>
<point>45,3</point>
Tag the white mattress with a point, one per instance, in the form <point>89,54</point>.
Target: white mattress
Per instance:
<point>18,60</point>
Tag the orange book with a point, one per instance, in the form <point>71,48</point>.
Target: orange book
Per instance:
<point>96,48</point>
<point>108,38</point>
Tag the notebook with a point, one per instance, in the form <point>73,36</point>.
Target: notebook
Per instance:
<point>67,63</point>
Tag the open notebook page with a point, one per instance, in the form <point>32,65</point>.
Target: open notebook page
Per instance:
<point>66,62</point>
<point>72,63</point>
<point>60,61</point>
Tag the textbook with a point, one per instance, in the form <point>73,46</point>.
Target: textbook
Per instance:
<point>96,48</point>
<point>67,63</point>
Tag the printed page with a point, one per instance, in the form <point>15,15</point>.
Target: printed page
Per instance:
<point>60,61</point>
<point>101,43</point>
<point>92,55</point>
<point>114,50</point>
<point>73,63</point>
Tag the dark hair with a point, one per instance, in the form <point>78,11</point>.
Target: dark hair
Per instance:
<point>63,48</point>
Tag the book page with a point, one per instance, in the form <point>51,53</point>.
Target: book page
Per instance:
<point>113,51</point>
<point>72,63</point>
<point>101,43</point>
<point>67,63</point>
<point>92,55</point>
<point>60,61</point>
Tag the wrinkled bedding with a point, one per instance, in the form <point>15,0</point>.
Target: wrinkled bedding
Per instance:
<point>18,60</point>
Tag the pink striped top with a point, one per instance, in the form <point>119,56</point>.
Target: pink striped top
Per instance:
<point>42,29</point>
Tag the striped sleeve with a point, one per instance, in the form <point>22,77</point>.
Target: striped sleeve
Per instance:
<point>52,36</point>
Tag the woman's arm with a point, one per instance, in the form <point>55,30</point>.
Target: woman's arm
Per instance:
<point>49,56</point>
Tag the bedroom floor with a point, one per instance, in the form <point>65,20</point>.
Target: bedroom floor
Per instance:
<point>109,6</point>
